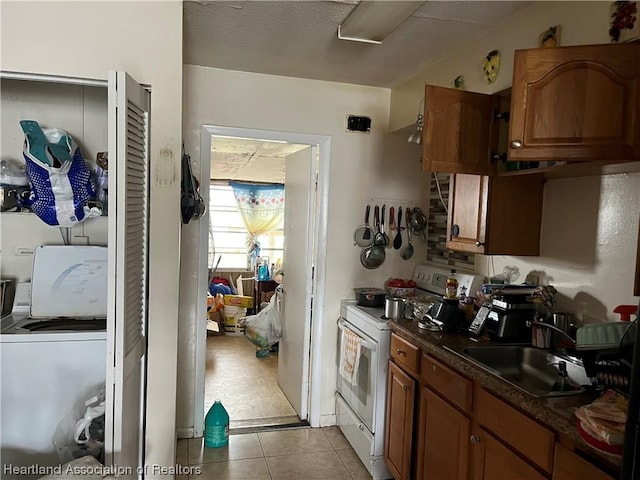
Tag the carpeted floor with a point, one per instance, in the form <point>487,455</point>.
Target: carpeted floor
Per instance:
<point>246,385</point>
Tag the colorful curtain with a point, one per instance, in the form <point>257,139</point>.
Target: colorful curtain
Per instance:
<point>262,209</point>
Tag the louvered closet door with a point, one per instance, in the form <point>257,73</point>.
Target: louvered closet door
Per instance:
<point>128,240</point>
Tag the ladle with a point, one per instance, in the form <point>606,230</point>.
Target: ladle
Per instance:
<point>407,252</point>
<point>397,242</point>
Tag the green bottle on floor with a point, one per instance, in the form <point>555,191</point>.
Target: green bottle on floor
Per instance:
<point>216,426</point>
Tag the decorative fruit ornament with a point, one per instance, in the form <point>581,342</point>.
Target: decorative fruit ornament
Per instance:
<point>491,66</point>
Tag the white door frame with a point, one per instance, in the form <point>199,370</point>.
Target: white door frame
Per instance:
<point>319,259</point>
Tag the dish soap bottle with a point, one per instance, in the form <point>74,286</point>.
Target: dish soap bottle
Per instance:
<point>216,426</point>
<point>451,288</point>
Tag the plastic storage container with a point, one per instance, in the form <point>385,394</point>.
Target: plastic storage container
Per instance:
<point>232,316</point>
<point>216,426</point>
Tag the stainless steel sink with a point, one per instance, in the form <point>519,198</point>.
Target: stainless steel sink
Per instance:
<point>530,369</point>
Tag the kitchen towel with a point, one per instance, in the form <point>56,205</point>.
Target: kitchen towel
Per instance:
<point>349,356</point>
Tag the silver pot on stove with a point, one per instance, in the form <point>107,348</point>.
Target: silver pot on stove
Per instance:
<point>395,307</point>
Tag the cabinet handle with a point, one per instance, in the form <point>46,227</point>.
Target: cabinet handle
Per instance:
<point>498,157</point>
<point>474,439</point>
<point>479,244</point>
<point>516,144</point>
<point>401,352</point>
<point>405,388</point>
<point>501,115</point>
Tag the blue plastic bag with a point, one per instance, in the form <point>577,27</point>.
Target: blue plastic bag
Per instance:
<point>61,184</point>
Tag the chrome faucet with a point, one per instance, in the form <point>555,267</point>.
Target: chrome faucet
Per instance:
<point>554,328</point>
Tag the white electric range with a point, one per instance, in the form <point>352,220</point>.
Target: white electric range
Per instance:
<point>360,408</point>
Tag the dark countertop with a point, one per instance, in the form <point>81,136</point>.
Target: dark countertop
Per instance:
<point>556,413</point>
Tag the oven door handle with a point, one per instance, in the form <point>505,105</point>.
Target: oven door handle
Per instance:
<point>364,343</point>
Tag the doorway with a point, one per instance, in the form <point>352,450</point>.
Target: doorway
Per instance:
<point>298,376</point>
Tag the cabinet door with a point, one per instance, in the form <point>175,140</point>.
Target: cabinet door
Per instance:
<point>459,132</point>
<point>443,439</point>
<point>467,218</point>
<point>495,215</point>
<point>569,466</point>
<point>576,103</point>
<point>399,422</point>
<point>128,270</point>
<point>491,460</point>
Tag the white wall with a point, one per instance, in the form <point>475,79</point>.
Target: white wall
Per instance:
<point>144,38</point>
<point>587,244</point>
<point>589,225</point>
<point>362,166</point>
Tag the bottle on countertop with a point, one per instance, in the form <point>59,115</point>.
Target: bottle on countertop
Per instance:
<point>451,288</point>
<point>216,426</point>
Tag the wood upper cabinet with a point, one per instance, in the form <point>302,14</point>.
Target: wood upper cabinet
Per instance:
<point>398,437</point>
<point>495,215</point>
<point>569,466</point>
<point>443,439</point>
<point>459,131</point>
<point>576,104</point>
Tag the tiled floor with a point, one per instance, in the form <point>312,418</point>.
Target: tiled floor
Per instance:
<point>246,385</point>
<point>292,454</point>
<point>248,388</point>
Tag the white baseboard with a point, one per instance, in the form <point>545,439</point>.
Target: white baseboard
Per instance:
<point>328,420</point>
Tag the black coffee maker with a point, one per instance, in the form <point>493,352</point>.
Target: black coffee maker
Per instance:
<point>509,318</point>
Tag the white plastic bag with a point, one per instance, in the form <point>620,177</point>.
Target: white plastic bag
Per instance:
<point>77,424</point>
<point>264,329</point>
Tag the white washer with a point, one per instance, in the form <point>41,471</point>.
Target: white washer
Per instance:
<point>42,374</point>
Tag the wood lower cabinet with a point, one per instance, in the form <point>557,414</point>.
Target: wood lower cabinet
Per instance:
<point>398,441</point>
<point>569,466</point>
<point>443,439</point>
<point>495,215</point>
<point>508,424</point>
<point>576,104</point>
<point>441,426</point>
<point>491,460</point>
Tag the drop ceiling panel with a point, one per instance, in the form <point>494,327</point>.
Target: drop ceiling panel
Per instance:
<point>249,159</point>
<point>299,38</point>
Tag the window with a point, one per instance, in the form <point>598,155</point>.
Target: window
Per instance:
<point>228,235</point>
